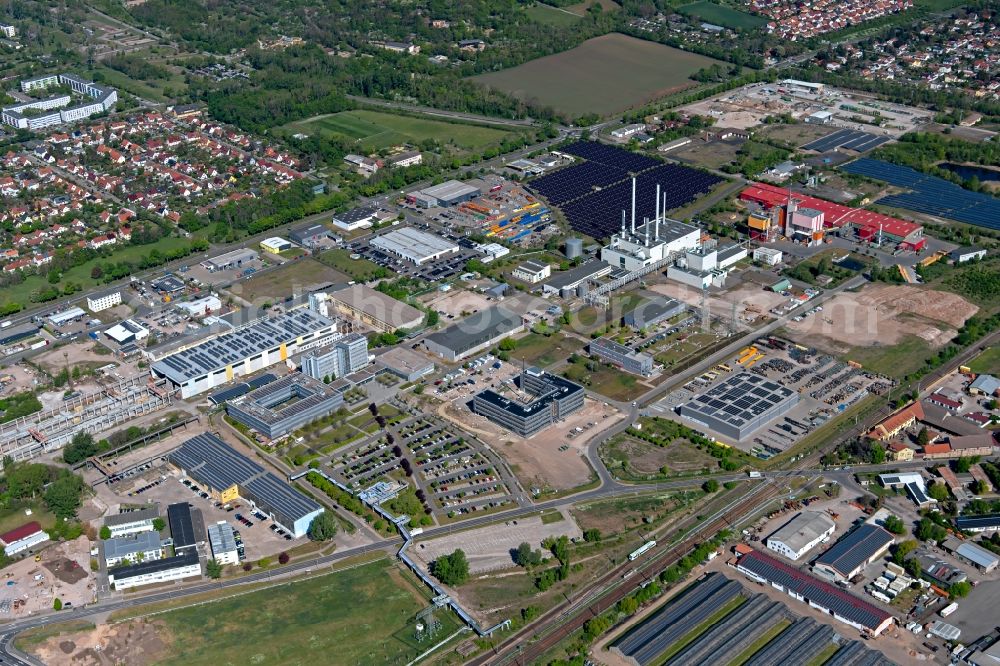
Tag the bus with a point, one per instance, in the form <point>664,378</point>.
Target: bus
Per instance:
<point>641,550</point>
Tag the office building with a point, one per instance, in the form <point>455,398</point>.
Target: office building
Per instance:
<point>652,313</point>
<point>103,302</point>
<point>178,567</point>
<point>853,552</point>
<point>380,311</point>
<point>228,475</point>
<point>347,355</point>
<point>801,534</point>
<point>620,356</point>
<point>532,272</point>
<point>278,408</point>
<point>474,334</point>
<point>405,363</point>
<point>23,538</point>
<point>740,405</point>
<point>132,522</point>
<point>545,400</point>
<point>414,245</point>
<point>243,351</point>
<point>231,260</point>
<point>223,543</point>
<point>132,549</point>
<point>768,256</point>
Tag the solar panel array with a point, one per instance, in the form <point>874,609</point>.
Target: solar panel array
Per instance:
<point>848,139</point>
<point>237,346</point>
<point>240,389</point>
<point>597,212</point>
<point>929,194</point>
<point>213,463</point>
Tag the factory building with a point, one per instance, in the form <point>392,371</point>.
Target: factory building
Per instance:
<point>474,334</point>
<point>801,534</point>
<point>278,408</point>
<point>842,605</point>
<point>803,225</point>
<point>347,355</point>
<point>768,256</point>
<point>620,356</point>
<point>309,235</point>
<point>550,398</point>
<point>740,405</point>
<point>414,245</point>
<point>200,307</point>
<point>378,310</point>
<point>223,543</point>
<point>532,272</point>
<point>653,241</point>
<point>654,312</point>
<point>853,552</point>
<point>702,267</point>
<point>405,363</point>
<point>356,218</point>
<point>569,283</point>
<point>232,259</point>
<point>229,475</point>
<point>22,538</point>
<point>243,351</point>
<point>448,193</point>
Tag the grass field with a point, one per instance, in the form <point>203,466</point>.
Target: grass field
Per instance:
<point>376,129</point>
<point>294,277</point>
<point>359,269</point>
<point>307,622</point>
<point>548,15</point>
<point>603,75</point>
<point>988,361</point>
<point>717,14</point>
<point>581,8</point>
<point>535,349</point>
<point>897,360</point>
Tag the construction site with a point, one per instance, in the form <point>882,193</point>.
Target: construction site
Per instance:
<point>97,412</point>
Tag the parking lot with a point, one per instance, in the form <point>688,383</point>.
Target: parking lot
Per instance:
<point>826,387</point>
<point>436,270</point>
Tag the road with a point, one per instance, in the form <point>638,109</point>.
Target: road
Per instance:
<point>452,115</point>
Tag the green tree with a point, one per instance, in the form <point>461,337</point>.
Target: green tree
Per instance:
<point>525,556</point>
<point>62,497</point>
<point>902,549</point>
<point>57,604</point>
<point>895,525</point>
<point>592,535</point>
<point>923,437</point>
<point>323,527</point>
<point>508,344</point>
<point>963,465</point>
<point>938,491</point>
<point>213,569</point>
<point>710,486</point>
<point>159,524</point>
<point>81,447</point>
<point>451,569</point>
<point>877,455</point>
<point>959,590</point>
<point>105,532</point>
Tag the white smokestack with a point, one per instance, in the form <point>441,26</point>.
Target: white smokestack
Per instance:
<point>633,206</point>
<point>657,203</point>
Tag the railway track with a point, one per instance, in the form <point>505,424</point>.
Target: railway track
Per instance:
<point>616,585</point>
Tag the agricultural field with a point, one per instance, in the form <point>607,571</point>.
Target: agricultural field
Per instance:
<point>303,624</point>
<point>377,130</point>
<point>717,14</point>
<point>604,75</point>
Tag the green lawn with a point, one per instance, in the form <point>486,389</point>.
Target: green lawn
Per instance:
<point>535,349</point>
<point>717,14</point>
<point>294,277</point>
<point>550,15</point>
<point>896,360</point>
<point>358,269</point>
<point>377,130</point>
<point>988,361</point>
<point>363,616</point>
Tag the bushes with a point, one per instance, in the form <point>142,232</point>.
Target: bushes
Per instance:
<point>451,569</point>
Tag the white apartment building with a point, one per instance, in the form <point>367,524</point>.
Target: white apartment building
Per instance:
<point>98,303</point>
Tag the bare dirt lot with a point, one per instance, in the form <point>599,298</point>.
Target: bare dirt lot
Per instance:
<point>488,548</point>
<point>752,300</point>
<point>76,354</point>
<point>63,572</point>
<point>456,303</point>
<point>537,461</point>
<point>883,314</point>
<point>136,642</point>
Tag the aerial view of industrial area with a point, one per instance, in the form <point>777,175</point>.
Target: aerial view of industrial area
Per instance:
<point>499,332</point>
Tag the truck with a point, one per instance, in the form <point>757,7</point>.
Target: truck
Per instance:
<point>948,610</point>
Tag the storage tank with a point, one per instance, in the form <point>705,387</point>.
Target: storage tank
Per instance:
<point>574,248</point>
<point>581,289</point>
<point>567,292</point>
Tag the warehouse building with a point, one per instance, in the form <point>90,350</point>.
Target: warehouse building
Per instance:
<point>654,312</point>
<point>842,605</point>
<point>448,193</point>
<point>987,523</point>
<point>309,235</point>
<point>140,547</point>
<point>548,399</point>
<point>67,316</point>
<point>22,538</point>
<point>801,534</point>
<point>278,408</point>
<point>620,356</point>
<point>200,307</point>
<point>127,332</point>
<point>568,283</point>
<point>243,351</point>
<point>229,475</point>
<point>414,245</point>
<point>132,522</point>
<point>380,311</point>
<point>233,259</point>
<point>740,405</point>
<point>356,218</point>
<point>223,543</point>
<point>474,334</point>
<point>347,355</point>
<point>853,552</point>
<point>984,560</point>
<point>275,245</point>
<point>405,363</point>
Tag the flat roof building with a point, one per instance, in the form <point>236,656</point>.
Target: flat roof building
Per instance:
<point>739,405</point>
<point>474,333</point>
<point>229,475</point>
<point>853,552</point>
<point>355,218</point>
<point>550,398</point>
<point>139,547</point>
<point>348,355</point>
<point>380,311</point>
<point>132,522</point>
<point>654,312</point>
<point>185,565</point>
<point>278,408</point>
<point>104,301</point>
<point>574,277</point>
<point>414,245</point>
<point>842,605</point>
<point>126,332</point>
<point>449,193</point>
<point>405,363</point>
<point>801,534</point>
<point>532,272</point>
<point>309,234</point>
<point>232,259</point>
<point>246,350</point>
<point>621,356</point>
<point>223,543</point>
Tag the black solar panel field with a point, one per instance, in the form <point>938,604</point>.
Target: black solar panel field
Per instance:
<point>593,194</point>
<point>847,139</point>
<point>929,194</point>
